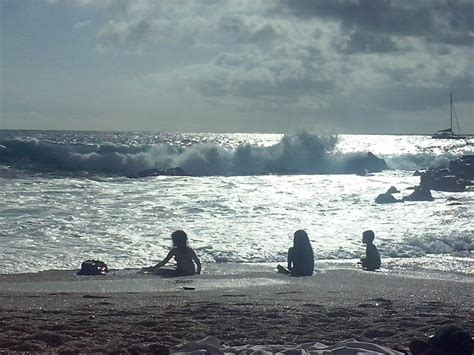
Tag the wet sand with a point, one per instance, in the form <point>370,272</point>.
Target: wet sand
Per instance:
<point>74,314</point>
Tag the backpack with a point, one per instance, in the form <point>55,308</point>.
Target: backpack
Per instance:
<point>93,267</point>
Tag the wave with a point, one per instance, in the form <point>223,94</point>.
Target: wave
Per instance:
<point>411,162</point>
<point>301,153</point>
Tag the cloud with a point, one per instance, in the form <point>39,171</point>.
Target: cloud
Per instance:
<point>359,42</point>
<point>435,21</point>
<point>308,58</point>
<point>251,29</point>
<point>123,32</point>
<point>82,24</point>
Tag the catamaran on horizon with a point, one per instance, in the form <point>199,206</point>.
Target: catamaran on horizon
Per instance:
<point>448,133</point>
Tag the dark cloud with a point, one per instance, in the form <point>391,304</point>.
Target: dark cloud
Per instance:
<point>367,42</point>
<point>414,98</point>
<point>247,31</point>
<point>264,76</point>
<point>126,33</point>
<point>138,31</point>
<point>283,90</point>
<point>435,21</point>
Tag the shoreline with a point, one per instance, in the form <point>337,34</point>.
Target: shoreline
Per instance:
<point>216,275</point>
<point>256,308</point>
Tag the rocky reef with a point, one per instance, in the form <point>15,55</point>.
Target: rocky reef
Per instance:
<point>363,165</point>
<point>456,178</point>
<point>157,172</point>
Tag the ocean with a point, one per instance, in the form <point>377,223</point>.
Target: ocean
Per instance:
<point>66,197</point>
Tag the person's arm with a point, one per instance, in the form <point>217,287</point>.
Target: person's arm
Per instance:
<point>290,259</point>
<point>161,263</point>
<point>198,263</point>
<point>165,260</point>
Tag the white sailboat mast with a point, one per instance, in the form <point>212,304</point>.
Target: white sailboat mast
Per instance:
<point>451,105</point>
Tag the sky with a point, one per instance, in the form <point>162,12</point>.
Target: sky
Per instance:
<point>327,66</point>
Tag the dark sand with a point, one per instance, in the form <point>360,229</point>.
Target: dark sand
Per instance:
<point>272,309</point>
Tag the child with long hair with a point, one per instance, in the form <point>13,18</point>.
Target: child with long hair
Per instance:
<point>187,262</point>
<point>300,256</point>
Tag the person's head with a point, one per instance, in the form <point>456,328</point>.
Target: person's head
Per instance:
<point>368,237</point>
<point>300,239</point>
<point>180,239</point>
<point>452,340</point>
<point>448,340</point>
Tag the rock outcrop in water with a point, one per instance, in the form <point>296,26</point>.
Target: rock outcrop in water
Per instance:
<point>387,197</point>
<point>456,178</point>
<point>419,194</point>
<point>368,164</point>
<point>157,172</point>
<point>463,167</point>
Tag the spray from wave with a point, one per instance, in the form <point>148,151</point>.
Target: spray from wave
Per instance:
<point>301,153</point>
<point>294,154</point>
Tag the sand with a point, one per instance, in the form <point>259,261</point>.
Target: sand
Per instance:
<point>125,312</point>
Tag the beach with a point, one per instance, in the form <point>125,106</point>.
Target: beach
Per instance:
<point>60,312</point>
<point>63,203</point>
<point>241,135</point>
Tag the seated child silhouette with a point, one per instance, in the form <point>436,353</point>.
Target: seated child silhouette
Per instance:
<point>187,262</point>
<point>371,261</point>
<point>300,256</point>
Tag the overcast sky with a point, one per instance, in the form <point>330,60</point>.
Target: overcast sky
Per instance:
<point>341,66</point>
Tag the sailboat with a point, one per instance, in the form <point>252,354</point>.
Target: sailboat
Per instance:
<point>448,133</point>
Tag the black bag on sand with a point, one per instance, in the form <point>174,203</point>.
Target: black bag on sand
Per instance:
<point>93,267</point>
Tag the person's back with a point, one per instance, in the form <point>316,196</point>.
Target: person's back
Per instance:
<point>372,257</point>
<point>300,256</point>
<point>371,261</point>
<point>302,261</point>
<point>184,260</point>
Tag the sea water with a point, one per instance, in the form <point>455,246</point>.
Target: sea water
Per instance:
<point>65,197</point>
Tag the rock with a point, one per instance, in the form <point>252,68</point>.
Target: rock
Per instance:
<point>157,172</point>
<point>455,179</point>
<point>386,198</point>
<point>463,167</point>
<point>364,165</point>
<point>419,194</point>
<point>442,180</point>
<point>392,190</point>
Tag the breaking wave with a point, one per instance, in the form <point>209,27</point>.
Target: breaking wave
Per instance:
<point>299,153</point>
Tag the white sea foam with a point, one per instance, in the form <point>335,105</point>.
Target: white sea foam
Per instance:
<point>301,153</point>
<point>52,220</point>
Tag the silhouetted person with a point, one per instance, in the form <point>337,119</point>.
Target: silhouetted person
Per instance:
<point>371,261</point>
<point>448,340</point>
<point>184,256</point>
<point>300,256</point>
